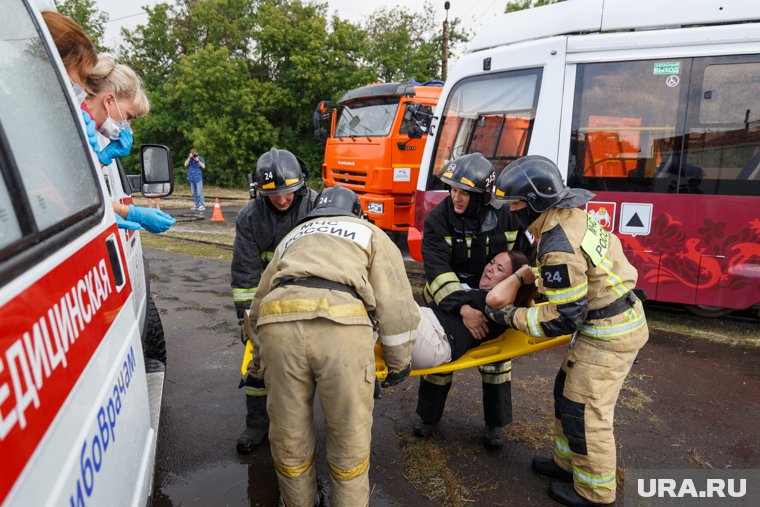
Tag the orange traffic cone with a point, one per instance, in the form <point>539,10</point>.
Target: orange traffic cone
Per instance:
<point>217,215</point>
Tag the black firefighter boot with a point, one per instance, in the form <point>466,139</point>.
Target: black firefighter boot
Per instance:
<point>256,422</point>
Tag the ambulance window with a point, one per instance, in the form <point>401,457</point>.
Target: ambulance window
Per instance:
<point>627,129</point>
<point>491,114</point>
<point>722,148</point>
<point>50,156</point>
<point>10,230</point>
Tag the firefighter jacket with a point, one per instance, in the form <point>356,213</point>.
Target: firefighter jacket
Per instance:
<point>456,249</point>
<point>348,251</point>
<point>582,268</point>
<point>258,230</point>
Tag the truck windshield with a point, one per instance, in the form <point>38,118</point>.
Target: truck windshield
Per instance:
<point>369,117</point>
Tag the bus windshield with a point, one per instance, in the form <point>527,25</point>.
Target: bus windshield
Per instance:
<point>368,117</point>
<point>492,115</point>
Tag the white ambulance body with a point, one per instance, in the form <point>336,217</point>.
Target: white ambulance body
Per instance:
<point>654,105</point>
<point>79,401</point>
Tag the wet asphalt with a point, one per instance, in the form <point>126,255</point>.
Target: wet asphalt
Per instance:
<point>688,403</point>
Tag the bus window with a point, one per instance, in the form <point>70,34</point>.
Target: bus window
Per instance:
<point>627,119</point>
<point>491,114</point>
<point>501,137</point>
<point>723,127</point>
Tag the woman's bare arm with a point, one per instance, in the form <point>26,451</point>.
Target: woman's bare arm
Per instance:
<point>505,291</point>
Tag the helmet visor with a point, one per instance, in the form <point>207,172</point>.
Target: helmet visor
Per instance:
<point>501,197</point>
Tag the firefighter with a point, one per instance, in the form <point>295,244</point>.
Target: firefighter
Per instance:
<point>461,235</point>
<point>282,202</point>
<point>330,279</point>
<point>589,286</point>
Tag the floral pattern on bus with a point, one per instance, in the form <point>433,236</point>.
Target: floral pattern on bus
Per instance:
<point>693,264</point>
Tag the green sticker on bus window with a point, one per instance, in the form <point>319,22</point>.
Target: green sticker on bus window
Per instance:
<point>666,68</point>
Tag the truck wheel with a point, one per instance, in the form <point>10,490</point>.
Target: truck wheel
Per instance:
<point>154,343</point>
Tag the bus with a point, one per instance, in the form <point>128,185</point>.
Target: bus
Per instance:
<point>654,106</point>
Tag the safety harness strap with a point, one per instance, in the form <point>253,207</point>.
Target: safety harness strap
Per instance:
<point>615,308</point>
<point>315,282</point>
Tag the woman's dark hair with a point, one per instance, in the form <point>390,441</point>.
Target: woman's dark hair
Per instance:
<point>526,292</point>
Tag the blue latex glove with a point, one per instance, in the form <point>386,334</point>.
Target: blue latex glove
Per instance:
<point>152,219</point>
<point>118,148</point>
<point>124,224</point>
<point>92,131</point>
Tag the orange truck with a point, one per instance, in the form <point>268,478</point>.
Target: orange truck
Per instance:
<point>374,139</point>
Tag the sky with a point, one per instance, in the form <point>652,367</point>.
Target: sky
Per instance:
<point>473,13</point>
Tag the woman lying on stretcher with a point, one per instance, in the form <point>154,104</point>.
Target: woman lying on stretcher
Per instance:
<point>444,336</point>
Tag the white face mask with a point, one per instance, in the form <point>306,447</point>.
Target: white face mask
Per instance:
<point>110,128</point>
<point>79,92</point>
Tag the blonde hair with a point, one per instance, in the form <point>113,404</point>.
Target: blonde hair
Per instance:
<point>121,80</point>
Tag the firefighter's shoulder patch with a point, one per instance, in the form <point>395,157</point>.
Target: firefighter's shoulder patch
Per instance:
<point>555,276</point>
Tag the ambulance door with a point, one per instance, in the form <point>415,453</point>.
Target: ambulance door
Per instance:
<point>74,422</point>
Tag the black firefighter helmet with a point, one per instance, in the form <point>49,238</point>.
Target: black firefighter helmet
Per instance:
<point>336,201</point>
<point>537,181</point>
<point>279,172</point>
<point>472,173</point>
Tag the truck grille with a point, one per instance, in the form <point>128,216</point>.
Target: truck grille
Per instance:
<point>349,177</point>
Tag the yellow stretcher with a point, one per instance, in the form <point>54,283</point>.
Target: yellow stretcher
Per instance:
<point>510,344</point>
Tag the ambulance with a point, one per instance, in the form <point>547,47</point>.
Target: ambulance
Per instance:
<point>652,105</point>
<point>82,351</point>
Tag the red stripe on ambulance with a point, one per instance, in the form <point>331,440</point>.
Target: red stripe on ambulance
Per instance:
<point>44,350</point>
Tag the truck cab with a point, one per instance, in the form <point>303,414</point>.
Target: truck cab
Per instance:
<point>374,145</point>
<point>82,348</point>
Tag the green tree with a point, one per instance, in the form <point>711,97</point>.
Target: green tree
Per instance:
<point>92,20</point>
<point>151,49</point>
<point>404,45</point>
<point>235,77</point>
<point>519,5</point>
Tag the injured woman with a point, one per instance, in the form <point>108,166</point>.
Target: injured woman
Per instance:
<point>445,336</point>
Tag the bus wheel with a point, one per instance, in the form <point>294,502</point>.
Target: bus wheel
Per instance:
<point>708,311</point>
<point>154,343</point>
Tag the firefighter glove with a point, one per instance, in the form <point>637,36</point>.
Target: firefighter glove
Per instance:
<point>394,377</point>
<point>152,219</point>
<point>503,315</point>
<point>243,335</point>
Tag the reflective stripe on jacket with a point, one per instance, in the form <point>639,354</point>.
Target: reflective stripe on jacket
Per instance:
<point>582,267</point>
<point>351,252</point>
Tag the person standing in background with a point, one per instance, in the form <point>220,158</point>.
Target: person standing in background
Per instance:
<point>195,165</point>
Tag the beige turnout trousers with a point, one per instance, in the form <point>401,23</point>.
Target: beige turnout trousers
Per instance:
<point>336,361</point>
<point>585,393</point>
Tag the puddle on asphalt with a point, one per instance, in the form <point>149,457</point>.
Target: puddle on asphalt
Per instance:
<point>227,484</point>
<point>232,485</point>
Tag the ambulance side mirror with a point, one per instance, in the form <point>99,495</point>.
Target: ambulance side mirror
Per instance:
<point>157,170</point>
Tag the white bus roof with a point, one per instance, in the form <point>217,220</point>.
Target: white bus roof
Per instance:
<point>584,16</point>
